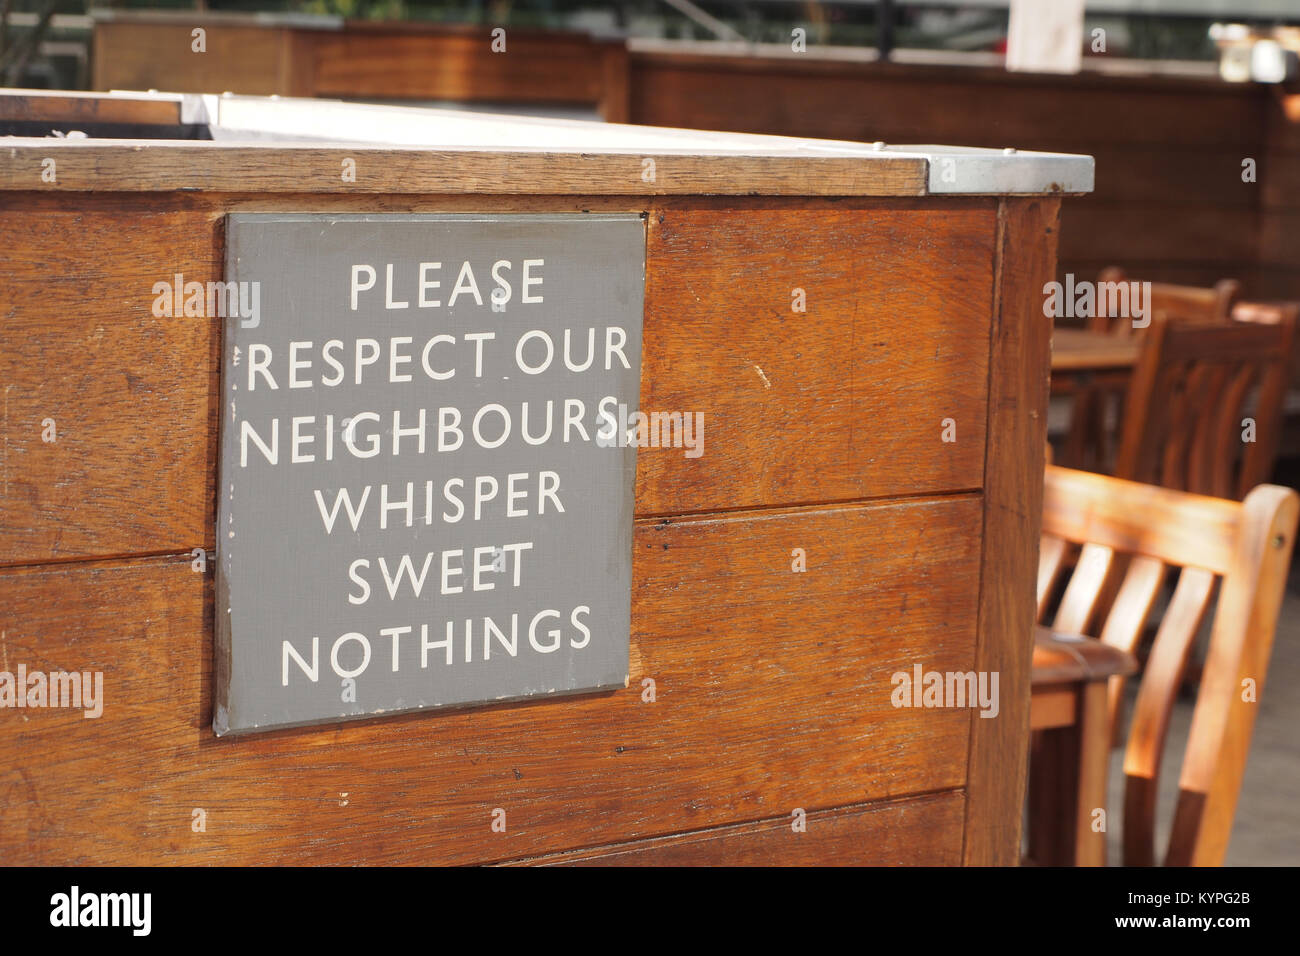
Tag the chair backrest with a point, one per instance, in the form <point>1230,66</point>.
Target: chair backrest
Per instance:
<point>1188,422</point>
<point>1112,532</point>
<point>1179,303</point>
<point>1271,313</point>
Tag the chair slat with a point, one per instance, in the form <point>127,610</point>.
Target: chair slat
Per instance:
<point>1178,428</point>
<point>1226,704</point>
<point>1227,429</point>
<point>1128,616</point>
<point>1151,712</point>
<point>1080,599</point>
<point>1051,557</point>
<point>1186,380</point>
<point>1204,450</point>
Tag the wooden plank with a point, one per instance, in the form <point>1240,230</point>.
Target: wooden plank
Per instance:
<point>1283,119</point>
<point>124,165</point>
<point>614,105</point>
<point>238,58</point>
<point>459,66</point>
<point>955,105</point>
<point>1013,489</point>
<point>1169,194</point>
<point>132,398</point>
<point>70,107</point>
<point>919,831</point>
<point>1124,234</point>
<point>1113,73</point>
<point>772,691</point>
<point>1053,706</point>
<point>1279,180</point>
<point>1162,175</point>
<point>1180,529</point>
<point>297,63</point>
<point>853,410</point>
<point>1079,350</point>
<point>1277,237</point>
<point>846,400</point>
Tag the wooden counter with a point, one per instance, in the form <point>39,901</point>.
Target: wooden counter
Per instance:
<point>772,686</point>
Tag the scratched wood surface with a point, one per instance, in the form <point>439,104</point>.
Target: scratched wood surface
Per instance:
<point>844,401</point>
<point>772,691</point>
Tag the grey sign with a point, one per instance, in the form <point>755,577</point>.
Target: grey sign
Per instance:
<point>422,501</point>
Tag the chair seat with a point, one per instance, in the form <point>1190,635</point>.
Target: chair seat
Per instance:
<point>1069,658</point>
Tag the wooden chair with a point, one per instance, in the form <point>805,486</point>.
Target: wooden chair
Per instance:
<point>1179,303</point>
<point>1182,425</point>
<point>1273,313</point>
<point>1245,548</point>
<point>1089,442</point>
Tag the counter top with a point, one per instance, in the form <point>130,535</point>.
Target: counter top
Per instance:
<point>278,144</point>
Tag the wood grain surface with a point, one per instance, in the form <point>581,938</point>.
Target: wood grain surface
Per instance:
<point>1013,490</point>
<point>161,56</point>
<point>106,165</point>
<point>66,106</point>
<point>423,65</point>
<point>844,401</point>
<point>918,831</point>
<point>824,432</point>
<point>132,397</point>
<point>772,691</point>
<point>915,104</point>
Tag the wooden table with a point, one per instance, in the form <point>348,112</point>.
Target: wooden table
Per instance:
<point>1080,357</point>
<point>1078,350</point>
<point>1070,750</point>
<point>1090,367</point>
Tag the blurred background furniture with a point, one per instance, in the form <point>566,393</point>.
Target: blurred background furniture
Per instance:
<point>1177,302</point>
<point>548,72</point>
<point>1243,548</point>
<point>1203,409</point>
<point>1177,207</point>
<point>1114,414</point>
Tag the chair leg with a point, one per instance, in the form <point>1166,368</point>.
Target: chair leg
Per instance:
<point>1068,771</point>
<point>1094,766</point>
